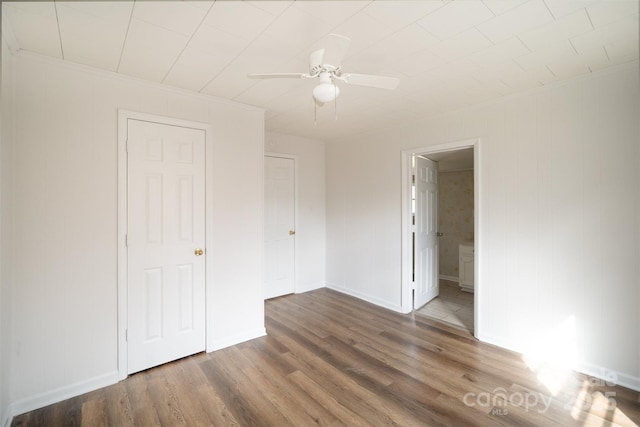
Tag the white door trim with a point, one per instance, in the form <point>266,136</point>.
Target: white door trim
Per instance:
<point>296,254</point>
<point>407,285</point>
<point>123,117</point>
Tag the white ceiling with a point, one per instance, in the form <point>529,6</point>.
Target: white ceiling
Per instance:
<point>448,54</point>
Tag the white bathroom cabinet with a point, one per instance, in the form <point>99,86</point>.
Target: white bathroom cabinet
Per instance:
<point>465,257</point>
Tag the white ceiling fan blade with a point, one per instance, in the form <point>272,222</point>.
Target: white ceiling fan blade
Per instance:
<point>315,60</point>
<point>336,47</point>
<point>382,82</point>
<point>278,76</point>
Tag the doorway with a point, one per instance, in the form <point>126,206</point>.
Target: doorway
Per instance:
<point>457,231</point>
<point>454,302</point>
<point>164,170</point>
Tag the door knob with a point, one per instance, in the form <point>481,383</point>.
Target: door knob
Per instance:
<point>198,252</point>
<point>291,232</point>
<point>439,234</point>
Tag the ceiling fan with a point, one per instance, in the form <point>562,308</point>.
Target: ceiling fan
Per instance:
<point>325,65</point>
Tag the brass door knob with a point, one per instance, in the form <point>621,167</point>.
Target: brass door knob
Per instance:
<point>291,232</point>
<point>198,252</point>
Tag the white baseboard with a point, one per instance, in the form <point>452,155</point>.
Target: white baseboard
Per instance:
<point>310,287</point>
<point>41,400</point>
<point>449,278</point>
<point>225,342</point>
<point>629,381</point>
<point>365,297</point>
<point>498,342</point>
<point>605,374</point>
<point>600,372</point>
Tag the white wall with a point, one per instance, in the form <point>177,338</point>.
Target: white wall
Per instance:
<point>363,218</point>
<point>65,204</point>
<point>6,138</point>
<point>310,193</point>
<point>560,202</point>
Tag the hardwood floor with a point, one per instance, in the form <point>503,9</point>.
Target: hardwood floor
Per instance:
<point>330,359</point>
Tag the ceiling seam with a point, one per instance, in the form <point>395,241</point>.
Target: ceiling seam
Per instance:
<point>126,35</point>
<point>243,50</point>
<point>547,6</point>
<point>55,8</point>
<point>396,31</point>
<point>606,52</point>
<point>187,43</point>
<point>593,28</point>
<point>551,71</point>
<point>524,44</point>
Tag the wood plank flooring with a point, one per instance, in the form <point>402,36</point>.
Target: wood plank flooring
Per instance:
<point>330,359</point>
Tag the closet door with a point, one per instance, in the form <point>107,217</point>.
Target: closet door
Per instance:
<point>165,243</point>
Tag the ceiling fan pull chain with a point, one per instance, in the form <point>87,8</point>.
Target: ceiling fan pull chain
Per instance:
<point>315,112</point>
<point>335,104</point>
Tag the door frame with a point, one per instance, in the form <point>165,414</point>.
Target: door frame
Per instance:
<point>123,118</point>
<point>406,227</point>
<point>296,255</point>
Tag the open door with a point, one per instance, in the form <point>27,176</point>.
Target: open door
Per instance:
<point>426,232</point>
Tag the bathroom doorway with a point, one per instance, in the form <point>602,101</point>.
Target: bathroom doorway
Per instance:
<point>454,303</point>
<point>457,219</point>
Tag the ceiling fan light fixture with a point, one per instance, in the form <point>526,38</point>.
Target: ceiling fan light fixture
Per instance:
<point>328,69</point>
<point>326,92</point>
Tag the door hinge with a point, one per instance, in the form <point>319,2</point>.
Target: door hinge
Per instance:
<point>126,146</point>
<point>126,335</point>
<point>126,240</point>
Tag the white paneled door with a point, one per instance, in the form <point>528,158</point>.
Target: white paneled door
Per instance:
<point>279,226</point>
<point>426,232</point>
<point>165,243</point>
